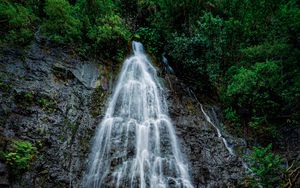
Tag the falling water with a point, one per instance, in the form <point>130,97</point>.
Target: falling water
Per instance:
<point>207,118</point>
<point>167,68</point>
<point>135,144</point>
<point>227,146</point>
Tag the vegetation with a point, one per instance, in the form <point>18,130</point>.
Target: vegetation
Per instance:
<point>61,25</point>
<point>30,98</point>
<point>19,157</point>
<point>266,166</point>
<point>245,52</point>
<point>17,22</point>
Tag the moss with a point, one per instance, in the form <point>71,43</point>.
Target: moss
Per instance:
<point>46,103</point>
<point>31,98</point>
<point>62,74</point>
<point>191,108</point>
<point>71,126</point>
<point>97,102</point>
<point>5,87</point>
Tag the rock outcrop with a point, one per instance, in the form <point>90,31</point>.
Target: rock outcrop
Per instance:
<point>211,164</point>
<point>55,100</point>
<point>52,99</point>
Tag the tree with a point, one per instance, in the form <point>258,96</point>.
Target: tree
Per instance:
<point>17,23</point>
<point>61,25</point>
<point>254,93</point>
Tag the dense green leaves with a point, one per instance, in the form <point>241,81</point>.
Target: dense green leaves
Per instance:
<point>61,25</point>
<point>266,166</point>
<point>16,23</point>
<point>20,156</point>
<point>247,52</point>
<point>151,38</point>
<point>252,92</point>
<point>91,26</point>
<point>107,33</point>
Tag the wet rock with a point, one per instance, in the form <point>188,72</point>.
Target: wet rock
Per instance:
<point>210,163</point>
<point>48,104</point>
<point>3,175</point>
<point>87,74</point>
<point>63,123</point>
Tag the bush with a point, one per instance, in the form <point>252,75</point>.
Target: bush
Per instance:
<point>200,53</point>
<point>17,23</point>
<point>266,166</point>
<point>61,25</point>
<point>254,93</point>
<point>108,35</point>
<point>150,37</point>
<point>20,156</point>
<point>231,115</point>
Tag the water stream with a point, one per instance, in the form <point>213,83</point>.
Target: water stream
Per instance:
<point>135,144</point>
<point>208,119</point>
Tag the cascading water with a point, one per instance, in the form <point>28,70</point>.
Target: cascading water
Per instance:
<point>135,144</point>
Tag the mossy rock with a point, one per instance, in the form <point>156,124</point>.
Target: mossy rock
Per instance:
<point>97,102</point>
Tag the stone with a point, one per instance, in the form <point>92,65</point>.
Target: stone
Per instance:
<point>63,132</point>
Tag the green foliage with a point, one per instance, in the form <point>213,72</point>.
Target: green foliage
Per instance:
<point>150,38</point>
<point>247,52</point>
<point>231,115</point>
<point>108,32</point>
<point>264,51</point>
<point>46,103</point>
<point>61,25</point>
<point>254,88</point>
<point>104,31</point>
<point>201,53</point>
<point>179,14</point>
<point>30,98</point>
<point>16,23</point>
<point>247,80</point>
<point>266,166</point>
<point>95,9</point>
<point>20,156</point>
<point>183,49</point>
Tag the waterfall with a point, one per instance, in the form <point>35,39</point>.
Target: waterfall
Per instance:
<point>207,118</point>
<point>135,144</point>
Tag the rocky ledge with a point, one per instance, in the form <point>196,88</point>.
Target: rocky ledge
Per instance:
<point>210,163</point>
<point>52,99</point>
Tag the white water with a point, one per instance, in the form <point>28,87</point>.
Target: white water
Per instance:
<point>207,118</point>
<point>135,144</point>
<point>229,149</point>
<point>167,68</point>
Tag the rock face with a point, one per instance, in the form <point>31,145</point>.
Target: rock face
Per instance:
<point>49,100</point>
<point>211,165</point>
<point>55,100</point>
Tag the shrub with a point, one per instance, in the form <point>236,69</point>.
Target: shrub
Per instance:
<point>20,156</point>
<point>108,32</point>
<point>266,166</point>
<point>252,92</point>
<point>16,23</point>
<point>151,38</point>
<point>231,115</point>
